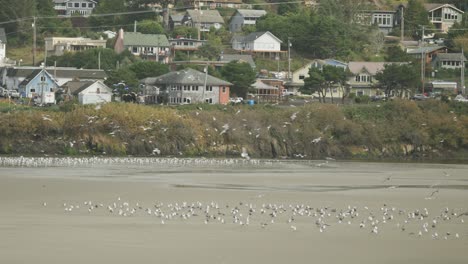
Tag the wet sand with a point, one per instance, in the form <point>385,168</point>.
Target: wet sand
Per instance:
<point>33,233</point>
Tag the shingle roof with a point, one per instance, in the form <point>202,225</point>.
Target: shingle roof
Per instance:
<point>205,16</point>
<point>3,37</point>
<point>356,67</point>
<point>75,87</point>
<point>185,77</point>
<point>60,72</point>
<point>424,49</point>
<point>30,77</point>
<point>450,56</point>
<point>251,12</point>
<point>433,6</point>
<point>238,57</point>
<point>254,35</point>
<point>145,40</point>
<point>261,85</point>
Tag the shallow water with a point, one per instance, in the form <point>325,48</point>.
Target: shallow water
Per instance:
<point>40,221</point>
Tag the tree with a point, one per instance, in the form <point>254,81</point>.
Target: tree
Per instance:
<point>150,27</point>
<point>415,18</point>
<point>143,69</point>
<point>396,54</point>
<point>398,78</point>
<point>211,49</point>
<point>322,80</point>
<point>344,10</point>
<point>241,75</point>
<point>123,79</point>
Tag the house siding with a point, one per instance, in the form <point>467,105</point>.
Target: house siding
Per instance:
<point>91,95</point>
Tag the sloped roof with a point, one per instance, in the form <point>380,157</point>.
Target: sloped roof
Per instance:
<point>261,85</point>
<point>433,6</point>
<point>33,75</point>
<point>75,87</point>
<point>251,12</point>
<point>424,49</point>
<point>185,77</point>
<point>177,18</point>
<point>145,40</point>
<point>255,35</point>
<point>450,56</point>
<point>205,16</point>
<point>238,57</point>
<point>3,37</point>
<point>59,72</point>
<point>356,67</point>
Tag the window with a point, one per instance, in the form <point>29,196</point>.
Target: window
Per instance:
<point>77,5</point>
<point>186,88</point>
<point>224,89</point>
<point>134,49</point>
<point>194,88</point>
<point>33,90</point>
<point>301,77</point>
<point>209,100</point>
<point>90,5</point>
<point>83,5</point>
<point>209,88</point>
<point>187,100</point>
<point>43,79</point>
<point>98,90</point>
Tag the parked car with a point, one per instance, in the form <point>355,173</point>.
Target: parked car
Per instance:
<point>14,94</point>
<point>460,98</point>
<point>236,100</point>
<point>376,98</point>
<point>419,97</point>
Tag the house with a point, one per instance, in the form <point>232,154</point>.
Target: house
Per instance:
<point>443,87</point>
<point>383,19</point>
<point>185,87</point>
<point>11,77</point>
<point>72,7</point>
<point>147,46</point>
<point>426,51</point>
<point>212,4</point>
<point>442,16</point>
<point>362,80</point>
<point>40,83</point>
<point>186,44</point>
<point>257,42</point>
<point>3,42</point>
<point>175,20</point>
<point>57,46</point>
<point>244,17</point>
<point>448,60</point>
<point>298,76</point>
<point>87,92</point>
<point>265,92</point>
<point>203,19</point>
<point>239,58</point>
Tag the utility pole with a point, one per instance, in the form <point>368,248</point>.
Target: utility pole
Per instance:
<point>289,58</point>
<point>99,60</point>
<point>423,60</point>
<point>34,41</point>
<point>462,81</point>
<point>135,26</point>
<point>402,24</point>
<point>204,85</point>
<point>199,22</point>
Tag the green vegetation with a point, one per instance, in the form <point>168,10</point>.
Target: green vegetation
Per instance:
<point>395,130</point>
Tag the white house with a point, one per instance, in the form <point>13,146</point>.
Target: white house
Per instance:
<point>362,81</point>
<point>59,45</point>
<point>95,93</point>
<point>257,42</point>
<point>443,16</point>
<point>245,17</point>
<point>70,7</point>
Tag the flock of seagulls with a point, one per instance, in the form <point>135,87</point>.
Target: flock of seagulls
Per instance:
<point>297,217</point>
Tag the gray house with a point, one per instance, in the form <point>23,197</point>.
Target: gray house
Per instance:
<point>448,60</point>
<point>203,19</point>
<point>244,17</point>
<point>148,46</point>
<point>185,87</point>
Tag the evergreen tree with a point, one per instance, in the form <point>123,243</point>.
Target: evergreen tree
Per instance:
<point>415,18</point>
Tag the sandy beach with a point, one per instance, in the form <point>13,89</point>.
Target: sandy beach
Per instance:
<point>130,213</point>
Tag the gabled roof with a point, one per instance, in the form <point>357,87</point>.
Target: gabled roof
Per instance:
<point>33,75</point>
<point>261,85</point>
<point>434,6</point>
<point>59,72</point>
<point>75,87</point>
<point>205,16</point>
<point>238,57</point>
<point>3,37</point>
<point>255,35</point>
<point>177,18</point>
<point>428,49</point>
<point>251,12</point>
<point>356,67</point>
<point>450,56</point>
<point>145,40</point>
<point>185,77</point>
<point>64,1</point>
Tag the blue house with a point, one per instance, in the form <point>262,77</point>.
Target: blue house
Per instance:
<point>38,84</point>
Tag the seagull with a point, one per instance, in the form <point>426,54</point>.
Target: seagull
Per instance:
<point>293,116</point>
<point>446,174</point>
<point>316,140</point>
<point>46,118</point>
<point>156,151</point>
<point>244,154</point>
<point>387,178</point>
<point>432,194</point>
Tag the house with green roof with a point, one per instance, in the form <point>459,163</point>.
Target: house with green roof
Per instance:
<point>185,87</point>
<point>148,46</point>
